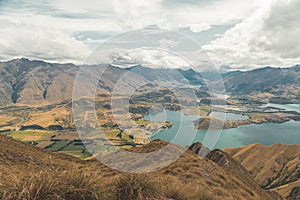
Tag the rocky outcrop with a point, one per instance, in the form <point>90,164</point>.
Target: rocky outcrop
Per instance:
<point>199,149</point>
<point>225,161</point>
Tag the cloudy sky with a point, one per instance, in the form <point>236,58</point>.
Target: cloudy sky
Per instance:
<point>236,34</point>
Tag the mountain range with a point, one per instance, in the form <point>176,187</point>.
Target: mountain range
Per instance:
<point>36,82</point>
<point>277,85</point>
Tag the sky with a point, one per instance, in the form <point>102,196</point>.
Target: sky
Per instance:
<point>235,34</point>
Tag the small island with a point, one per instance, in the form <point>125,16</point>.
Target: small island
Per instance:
<point>212,123</point>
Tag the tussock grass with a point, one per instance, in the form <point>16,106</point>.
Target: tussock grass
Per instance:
<point>205,196</point>
<point>51,185</point>
<point>28,173</point>
<point>136,187</point>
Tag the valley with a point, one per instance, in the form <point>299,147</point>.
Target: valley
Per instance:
<point>47,120</point>
<point>149,100</point>
<point>36,111</point>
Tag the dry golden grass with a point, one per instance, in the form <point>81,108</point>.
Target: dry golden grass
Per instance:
<point>49,185</point>
<point>27,172</point>
<point>274,167</point>
<point>287,190</point>
<point>76,184</point>
<point>4,119</point>
<point>136,187</point>
<point>47,118</point>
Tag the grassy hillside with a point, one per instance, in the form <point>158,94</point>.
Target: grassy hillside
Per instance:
<point>274,167</point>
<point>28,172</point>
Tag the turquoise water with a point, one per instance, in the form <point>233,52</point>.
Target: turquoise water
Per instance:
<point>183,132</point>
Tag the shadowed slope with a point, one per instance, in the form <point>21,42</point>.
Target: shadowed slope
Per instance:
<point>274,167</point>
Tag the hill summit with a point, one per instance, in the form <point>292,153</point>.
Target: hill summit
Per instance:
<point>28,172</point>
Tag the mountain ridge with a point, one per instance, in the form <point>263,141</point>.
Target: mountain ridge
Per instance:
<point>24,81</point>
<point>274,85</point>
<point>274,167</point>
<point>36,82</point>
<point>189,170</point>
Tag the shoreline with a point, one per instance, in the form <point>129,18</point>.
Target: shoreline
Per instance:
<point>254,118</point>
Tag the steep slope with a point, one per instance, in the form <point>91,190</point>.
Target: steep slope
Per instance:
<point>190,173</point>
<point>274,167</point>
<point>274,82</point>
<point>225,161</point>
<point>35,82</point>
<point>18,157</point>
<point>24,81</point>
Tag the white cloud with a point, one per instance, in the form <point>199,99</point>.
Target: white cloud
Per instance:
<point>281,29</point>
<point>269,36</point>
<point>153,58</point>
<point>132,14</point>
<point>135,14</point>
<point>20,39</point>
<point>196,28</point>
<point>266,32</point>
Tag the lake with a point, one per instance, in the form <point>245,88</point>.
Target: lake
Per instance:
<point>183,132</point>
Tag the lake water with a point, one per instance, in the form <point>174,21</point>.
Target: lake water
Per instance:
<point>183,132</point>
